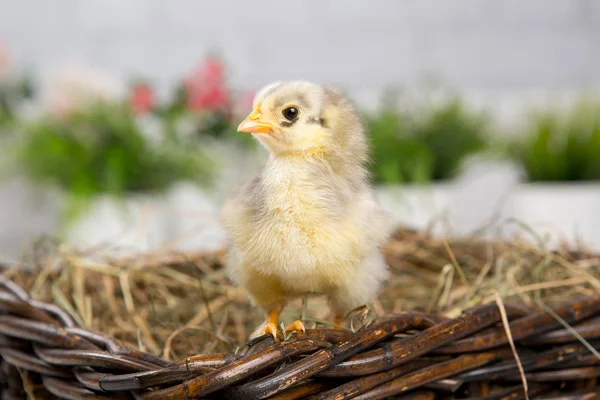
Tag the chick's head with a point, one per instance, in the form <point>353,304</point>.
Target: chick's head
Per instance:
<point>305,118</point>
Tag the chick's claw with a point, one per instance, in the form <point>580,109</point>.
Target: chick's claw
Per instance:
<point>296,326</point>
<point>271,329</point>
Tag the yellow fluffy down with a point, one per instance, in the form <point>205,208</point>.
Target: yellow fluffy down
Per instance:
<point>304,239</point>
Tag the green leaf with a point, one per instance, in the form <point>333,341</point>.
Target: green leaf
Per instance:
<point>423,144</point>
<point>103,151</point>
<point>561,146</point>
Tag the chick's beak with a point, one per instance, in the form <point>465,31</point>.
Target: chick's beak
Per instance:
<point>253,123</point>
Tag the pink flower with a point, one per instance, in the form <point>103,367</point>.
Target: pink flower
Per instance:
<point>208,98</point>
<point>3,58</point>
<point>206,87</point>
<point>141,98</point>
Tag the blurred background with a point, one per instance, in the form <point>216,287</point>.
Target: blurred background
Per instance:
<point>117,118</point>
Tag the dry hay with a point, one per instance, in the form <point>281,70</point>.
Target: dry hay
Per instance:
<point>174,305</point>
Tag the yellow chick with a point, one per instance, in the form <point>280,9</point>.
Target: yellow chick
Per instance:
<point>309,222</point>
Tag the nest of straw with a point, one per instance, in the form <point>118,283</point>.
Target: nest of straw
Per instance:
<point>173,305</point>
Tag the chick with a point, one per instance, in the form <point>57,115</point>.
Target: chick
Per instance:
<point>309,222</point>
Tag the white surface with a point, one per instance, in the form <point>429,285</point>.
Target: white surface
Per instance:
<point>475,199</point>
<point>25,213</point>
<point>418,206</point>
<point>502,53</point>
<point>133,224</point>
<point>482,195</point>
<point>193,219</point>
<point>558,212</point>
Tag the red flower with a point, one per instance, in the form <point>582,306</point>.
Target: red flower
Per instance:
<point>141,98</point>
<point>208,98</point>
<point>206,87</point>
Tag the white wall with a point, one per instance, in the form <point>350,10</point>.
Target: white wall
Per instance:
<point>503,52</point>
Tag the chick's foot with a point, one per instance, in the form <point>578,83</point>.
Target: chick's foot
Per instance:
<point>296,326</point>
<point>271,329</point>
<point>272,320</point>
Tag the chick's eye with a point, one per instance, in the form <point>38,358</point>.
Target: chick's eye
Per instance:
<point>290,113</point>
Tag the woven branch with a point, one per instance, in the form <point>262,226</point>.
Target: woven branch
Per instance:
<point>410,356</point>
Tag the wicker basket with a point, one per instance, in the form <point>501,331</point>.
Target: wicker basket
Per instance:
<point>409,356</point>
